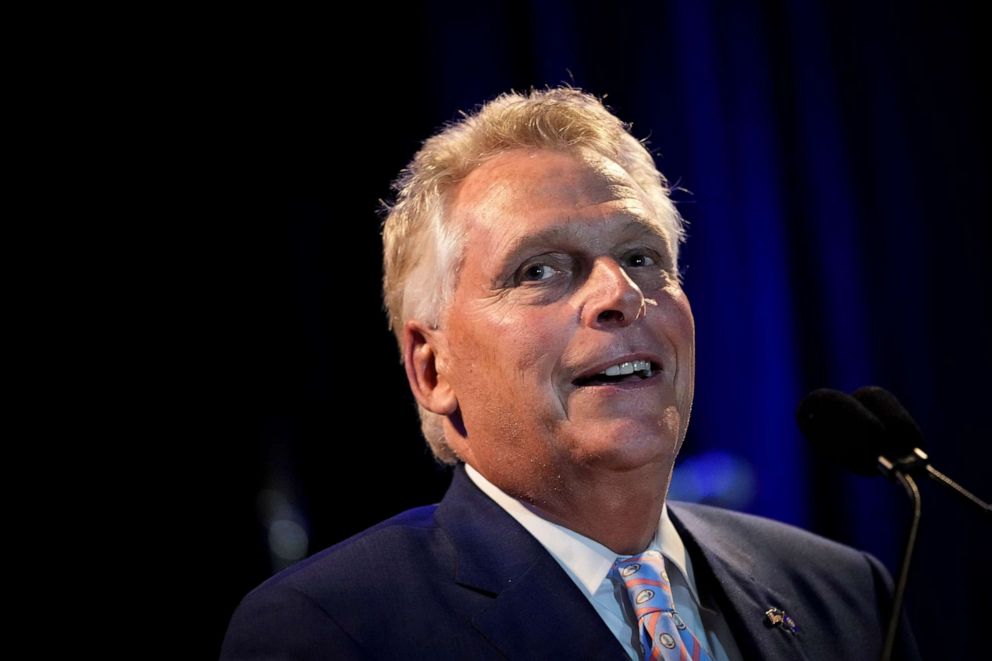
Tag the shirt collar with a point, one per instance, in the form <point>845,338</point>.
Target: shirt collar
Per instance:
<point>584,559</point>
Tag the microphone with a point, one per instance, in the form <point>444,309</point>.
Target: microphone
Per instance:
<point>905,441</point>
<point>893,415</point>
<point>843,429</point>
<point>840,426</point>
<point>868,432</point>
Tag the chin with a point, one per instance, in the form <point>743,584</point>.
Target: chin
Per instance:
<point>628,450</point>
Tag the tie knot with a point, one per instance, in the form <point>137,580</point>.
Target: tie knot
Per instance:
<point>646,582</point>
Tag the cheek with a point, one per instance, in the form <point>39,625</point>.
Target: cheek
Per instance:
<point>534,345</point>
<point>509,352</point>
<point>680,306</point>
<point>686,348</point>
<point>676,326</point>
<point>679,323</point>
<point>518,386</point>
<point>497,363</point>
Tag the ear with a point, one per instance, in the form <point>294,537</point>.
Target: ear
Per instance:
<point>423,357</point>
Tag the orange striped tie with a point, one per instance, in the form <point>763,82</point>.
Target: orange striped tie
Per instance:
<point>663,633</point>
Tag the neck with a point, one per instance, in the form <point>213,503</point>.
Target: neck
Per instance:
<point>618,509</point>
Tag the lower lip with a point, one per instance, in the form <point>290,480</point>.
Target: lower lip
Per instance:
<point>630,384</point>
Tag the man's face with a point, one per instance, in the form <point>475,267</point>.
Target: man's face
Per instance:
<point>566,273</point>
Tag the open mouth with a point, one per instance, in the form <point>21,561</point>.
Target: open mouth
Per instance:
<point>635,371</point>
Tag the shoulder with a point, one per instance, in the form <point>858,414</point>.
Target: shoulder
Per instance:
<point>833,591</point>
<point>782,556</point>
<point>316,602</point>
<point>412,537</point>
<point>743,531</point>
<point>779,553</point>
<point>393,541</point>
<point>795,564</point>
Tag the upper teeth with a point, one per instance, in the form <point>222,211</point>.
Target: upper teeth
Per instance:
<point>628,368</point>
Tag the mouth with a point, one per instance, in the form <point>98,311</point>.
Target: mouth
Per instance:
<point>623,374</point>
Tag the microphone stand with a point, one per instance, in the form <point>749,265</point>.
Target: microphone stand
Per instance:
<point>940,478</point>
<point>913,492</point>
<point>902,469</point>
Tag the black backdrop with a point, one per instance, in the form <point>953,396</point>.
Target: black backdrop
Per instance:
<point>834,161</point>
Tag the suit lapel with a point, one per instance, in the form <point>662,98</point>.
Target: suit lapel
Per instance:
<point>746,599</point>
<point>536,610</point>
<point>543,615</point>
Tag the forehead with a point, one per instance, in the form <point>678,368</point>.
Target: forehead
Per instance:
<point>528,192</point>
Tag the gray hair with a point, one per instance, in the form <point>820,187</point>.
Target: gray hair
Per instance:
<point>421,247</point>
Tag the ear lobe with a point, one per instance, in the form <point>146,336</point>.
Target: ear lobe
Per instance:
<point>422,349</point>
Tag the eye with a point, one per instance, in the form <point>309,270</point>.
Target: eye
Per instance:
<point>536,272</point>
<point>640,259</point>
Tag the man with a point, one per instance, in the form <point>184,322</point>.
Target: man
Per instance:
<point>531,279</point>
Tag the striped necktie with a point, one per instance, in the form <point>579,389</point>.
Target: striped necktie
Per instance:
<point>663,633</point>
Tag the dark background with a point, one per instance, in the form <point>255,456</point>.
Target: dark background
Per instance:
<point>832,160</point>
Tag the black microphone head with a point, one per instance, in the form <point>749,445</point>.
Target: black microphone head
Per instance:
<point>842,428</point>
<point>902,433</point>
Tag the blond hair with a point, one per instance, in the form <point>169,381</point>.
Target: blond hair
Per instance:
<point>421,248</point>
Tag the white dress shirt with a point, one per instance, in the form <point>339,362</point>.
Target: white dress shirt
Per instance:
<point>587,563</point>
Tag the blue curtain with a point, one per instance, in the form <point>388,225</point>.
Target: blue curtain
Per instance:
<point>832,161</point>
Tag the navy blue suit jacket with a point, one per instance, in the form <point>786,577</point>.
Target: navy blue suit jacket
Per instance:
<point>463,580</point>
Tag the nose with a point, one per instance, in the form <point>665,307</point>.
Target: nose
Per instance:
<point>611,297</point>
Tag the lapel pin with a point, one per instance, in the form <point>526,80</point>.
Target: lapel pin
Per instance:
<point>776,617</point>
